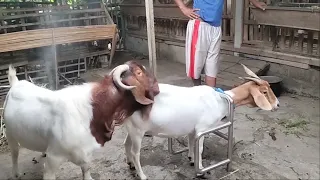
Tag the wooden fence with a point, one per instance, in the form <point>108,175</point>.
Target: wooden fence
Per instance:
<point>80,37</point>
<point>262,39</point>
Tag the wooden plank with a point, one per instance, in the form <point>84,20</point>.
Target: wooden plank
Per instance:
<point>310,42</point>
<point>268,53</point>
<point>238,69</point>
<point>43,37</point>
<point>170,11</point>
<point>300,41</point>
<point>34,9</point>
<point>54,13</point>
<point>280,61</point>
<point>318,44</point>
<point>291,39</point>
<point>288,17</point>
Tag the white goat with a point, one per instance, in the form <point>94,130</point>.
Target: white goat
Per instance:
<point>179,111</point>
<point>70,123</point>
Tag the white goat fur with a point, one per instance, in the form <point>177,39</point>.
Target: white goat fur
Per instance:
<point>177,111</point>
<point>55,122</point>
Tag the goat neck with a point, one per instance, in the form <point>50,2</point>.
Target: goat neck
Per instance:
<point>111,106</point>
<point>240,93</point>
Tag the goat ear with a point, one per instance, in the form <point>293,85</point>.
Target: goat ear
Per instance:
<point>249,72</point>
<point>139,91</point>
<point>139,95</point>
<point>260,100</point>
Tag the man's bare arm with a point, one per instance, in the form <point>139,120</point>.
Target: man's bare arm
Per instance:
<point>191,13</point>
<point>180,4</point>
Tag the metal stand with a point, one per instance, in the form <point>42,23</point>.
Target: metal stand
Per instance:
<point>228,137</point>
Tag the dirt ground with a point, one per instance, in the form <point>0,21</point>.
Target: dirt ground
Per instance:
<point>269,145</point>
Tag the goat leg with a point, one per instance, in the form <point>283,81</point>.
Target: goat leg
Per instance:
<point>51,165</point>
<point>14,147</point>
<point>136,139</point>
<point>191,147</point>
<point>86,171</point>
<point>128,146</point>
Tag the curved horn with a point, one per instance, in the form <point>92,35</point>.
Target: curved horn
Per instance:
<point>249,72</point>
<point>112,71</point>
<point>116,76</point>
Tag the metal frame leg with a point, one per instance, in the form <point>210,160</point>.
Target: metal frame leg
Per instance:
<point>170,148</point>
<point>230,146</point>
<point>228,137</point>
<point>196,149</point>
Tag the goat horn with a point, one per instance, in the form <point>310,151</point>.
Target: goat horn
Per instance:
<point>249,72</point>
<point>112,71</point>
<point>116,76</point>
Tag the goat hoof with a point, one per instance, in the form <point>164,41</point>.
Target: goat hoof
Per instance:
<point>131,166</point>
<point>191,163</point>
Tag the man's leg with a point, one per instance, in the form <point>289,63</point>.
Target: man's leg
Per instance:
<point>196,82</point>
<point>197,45</point>
<point>213,58</point>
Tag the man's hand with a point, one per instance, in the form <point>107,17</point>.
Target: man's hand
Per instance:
<point>190,13</point>
<point>260,5</point>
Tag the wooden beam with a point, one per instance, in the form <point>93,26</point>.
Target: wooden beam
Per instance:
<point>238,38</point>
<point>151,36</point>
<point>238,32</point>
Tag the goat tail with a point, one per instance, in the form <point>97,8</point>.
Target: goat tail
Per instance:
<point>12,75</point>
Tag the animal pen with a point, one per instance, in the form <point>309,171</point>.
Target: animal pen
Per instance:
<point>53,43</point>
<point>37,40</point>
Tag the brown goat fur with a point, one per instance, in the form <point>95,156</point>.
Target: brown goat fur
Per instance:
<point>112,104</point>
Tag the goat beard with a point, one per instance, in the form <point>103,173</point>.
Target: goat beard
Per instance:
<point>123,115</point>
<point>110,130</point>
<point>120,117</point>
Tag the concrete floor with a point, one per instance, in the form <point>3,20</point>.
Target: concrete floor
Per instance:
<point>293,154</point>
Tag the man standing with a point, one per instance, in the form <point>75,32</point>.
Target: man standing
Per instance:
<point>203,38</point>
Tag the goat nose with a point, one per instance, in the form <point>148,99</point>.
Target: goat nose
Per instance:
<point>278,105</point>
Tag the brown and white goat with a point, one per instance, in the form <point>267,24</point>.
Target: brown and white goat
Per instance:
<point>70,123</point>
<point>179,111</point>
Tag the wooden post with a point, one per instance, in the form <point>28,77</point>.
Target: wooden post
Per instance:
<point>238,27</point>
<point>55,62</point>
<point>151,36</point>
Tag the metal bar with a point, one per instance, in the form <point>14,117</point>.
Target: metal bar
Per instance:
<point>220,134</point>
<point>216,131</point>
<point>170,148</point>
<point>65,78</point>
<point>230,135</point>
<point>213,166</point>
<point>200,134</point>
